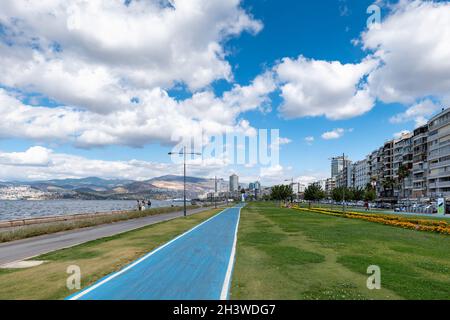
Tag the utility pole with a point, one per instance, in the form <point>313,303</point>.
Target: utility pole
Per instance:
<point>184,182</point>
<point>184,153</point>
<point>215,192</point>
<point>343,188</point>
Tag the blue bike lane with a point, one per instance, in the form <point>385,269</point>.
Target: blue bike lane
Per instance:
<point>196,265</point>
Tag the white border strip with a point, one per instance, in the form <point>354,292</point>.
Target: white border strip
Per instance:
<point>114,275</point>
<point>227,281</point>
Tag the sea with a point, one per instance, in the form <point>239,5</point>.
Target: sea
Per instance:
<point>21,209</point>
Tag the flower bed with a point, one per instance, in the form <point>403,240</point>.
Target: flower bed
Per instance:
<point>408,223</point>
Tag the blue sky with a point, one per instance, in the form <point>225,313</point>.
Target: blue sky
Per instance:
<point>253,39</point>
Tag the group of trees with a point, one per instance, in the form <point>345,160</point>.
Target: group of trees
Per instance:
<point>281,192</point>
<point>315,193</point>
<point>353,194</point>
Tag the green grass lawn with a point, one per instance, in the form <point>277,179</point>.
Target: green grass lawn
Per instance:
<point>289,254</point>
<point>95,258</point>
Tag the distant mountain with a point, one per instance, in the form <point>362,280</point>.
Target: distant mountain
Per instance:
<point>90,181</point>
<point>173,178</point>
<point>98,188</point>
<point>139,186</point>
<point>193,185</point>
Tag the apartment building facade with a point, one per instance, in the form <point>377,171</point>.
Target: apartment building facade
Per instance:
<point>420,162</point>
<point>438,143</point>
<point>415,166</point>
<point>345,176</point>
<point>401,165</point>
<point>361,175</point>
<point>338,164</point>
<point>330,185</point>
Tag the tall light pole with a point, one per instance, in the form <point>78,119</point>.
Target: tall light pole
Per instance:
<point>184,153</point>
<point>215,192</point>
<point>343,188</point>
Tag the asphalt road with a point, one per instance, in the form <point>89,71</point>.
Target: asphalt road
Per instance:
<point>28,248</point>
<point>196,265</point>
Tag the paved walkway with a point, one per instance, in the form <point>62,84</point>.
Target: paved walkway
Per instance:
<point>197,265</point>
<point>26,248</point>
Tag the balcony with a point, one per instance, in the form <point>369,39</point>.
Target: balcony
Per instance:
<point>439,164</point>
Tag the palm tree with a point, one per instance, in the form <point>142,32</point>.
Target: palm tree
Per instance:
<point>388,184</point>
<point>403,173</point>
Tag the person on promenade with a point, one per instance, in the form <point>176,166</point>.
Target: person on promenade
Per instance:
<point>138,205</point>
<point>149,204</point>
<point>143,205</point>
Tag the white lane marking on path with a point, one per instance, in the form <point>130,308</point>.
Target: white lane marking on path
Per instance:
<point>114,275</point>
<point>227,281</point>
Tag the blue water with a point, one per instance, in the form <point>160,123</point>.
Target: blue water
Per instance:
<point>20,209</point>
<point>192,267</point>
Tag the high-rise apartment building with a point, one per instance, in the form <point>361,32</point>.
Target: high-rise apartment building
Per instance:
<point>414,166</point>
<point>439,155</point>
<point>345,177</point>
<point>361,174</point>
<point>403,158</point>
<point>387,175</point>
<point>234,183</point>
<point>338,164</point>
<point>420,164</point>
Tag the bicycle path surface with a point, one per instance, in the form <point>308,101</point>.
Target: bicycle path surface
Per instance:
<point>196,265</point>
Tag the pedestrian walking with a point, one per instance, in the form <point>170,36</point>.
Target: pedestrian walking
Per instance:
<point>138,205</point>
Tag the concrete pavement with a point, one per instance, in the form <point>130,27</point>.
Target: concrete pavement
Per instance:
<point>30,247</point>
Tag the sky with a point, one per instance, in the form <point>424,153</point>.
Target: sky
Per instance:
<point>108,88</point>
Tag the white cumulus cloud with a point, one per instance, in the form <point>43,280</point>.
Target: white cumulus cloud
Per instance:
<point>335,133</point>
<point>324,88</point>
<point>419,113</point>
<point>110,66</point>
<point>413,45</point>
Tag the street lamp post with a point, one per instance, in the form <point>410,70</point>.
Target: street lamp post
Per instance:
<point>343,188</point>
<point>184,153</point>
<point>215,192</point>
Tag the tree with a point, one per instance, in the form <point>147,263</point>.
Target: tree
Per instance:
<point>314,193</point>
<point>370,194</point>
<point>403,173</point>
<point>388,184</point>
<point>281,192</point>
<point>358,194</point>
<point>337,194</point>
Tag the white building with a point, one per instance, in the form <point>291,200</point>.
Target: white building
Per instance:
<point>320,183</point>
<point>361,175</point>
